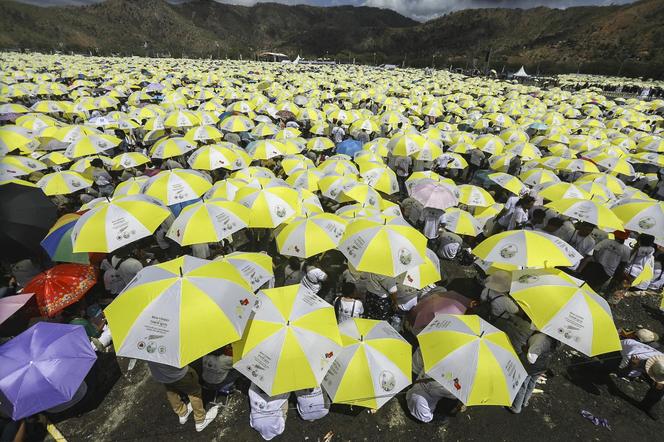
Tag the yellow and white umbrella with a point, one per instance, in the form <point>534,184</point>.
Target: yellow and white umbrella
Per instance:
<point>641,216</point>
<point>256,268</point>
<point>461,222</point>
<point>295,163</point>
<point>319,144</point>
<point>269,207</point>
<point>83,164</point>
<point>266,149</point>
<point>290,342</point>
<point>527,248</point>
<point>236,123</point>
<point>203,133</point>
<point>178,311</point>
<point>181,118</point>
<point>589,211</point>
<point>305,179</point>
<point>472,195</point>
<point>561,190</point>
<point>91,145</point>
<point>177,186</point>
<point>382,248</point>
<point>472,359</point>
<point>308,236</point>
<point>171,147</point>
<point>129,159</point>
<point>567,310</point>
<point>536,176</point>
<point>63,183</point>
<point>406,144</point>
<point>222,155</point>
<point>12,166</point>
<point>380,177</point>
<point>114,223</point>
<point>208,221</point>
<point>509,182</point>
<point>372,367</point>
<point>132,186</point>
<point>611,182</point>
<point>424,274</point>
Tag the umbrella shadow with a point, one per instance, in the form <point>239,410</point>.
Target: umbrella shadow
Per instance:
<point>100,380</point>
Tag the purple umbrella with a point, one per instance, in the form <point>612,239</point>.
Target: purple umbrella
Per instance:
<point>43,367</point>
<point>11,304</point>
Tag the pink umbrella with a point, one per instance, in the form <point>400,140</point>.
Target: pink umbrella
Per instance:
<point>439,302</point>
<point>434,196</point>
<point>11,304</point>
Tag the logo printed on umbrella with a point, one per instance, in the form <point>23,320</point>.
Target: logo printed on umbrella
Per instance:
<point>405,256</point>
<point>509,251</point>
<point>528,279</point>
<point>647,222</point>
<point>387,380</point>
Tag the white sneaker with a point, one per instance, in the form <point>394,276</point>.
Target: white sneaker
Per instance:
<point>185,418</point>
<point>209,417</point>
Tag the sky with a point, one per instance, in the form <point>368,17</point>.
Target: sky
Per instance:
<point>417,9</point>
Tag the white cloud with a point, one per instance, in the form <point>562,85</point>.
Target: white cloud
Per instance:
<point>427,9</point>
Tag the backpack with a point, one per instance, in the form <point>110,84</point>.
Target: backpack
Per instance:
<point>113,281</point>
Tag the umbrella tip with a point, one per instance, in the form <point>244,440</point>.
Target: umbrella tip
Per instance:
<point>181,275</point>
<point>361,338</point>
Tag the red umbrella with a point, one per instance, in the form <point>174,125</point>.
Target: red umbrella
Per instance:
<point>439,302</point>
<point>60,286</point>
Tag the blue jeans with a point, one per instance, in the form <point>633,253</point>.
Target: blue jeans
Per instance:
<point>523,395</point>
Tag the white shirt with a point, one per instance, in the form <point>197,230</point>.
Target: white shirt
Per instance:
<point>516,217</point>
<point>267,415</point>
<point>347,309</point>
<point>583,244</point>
<point>609,254</point>
<point>381,286</point>
<point>423,397</point>
<point>200,250</point>
<point>502,306</point>
<point>658,277</point>
<point>510,204</point>
<point>633,348</point>
<point>216,368</point>
<point>312,404</point>
<point>313,279</point>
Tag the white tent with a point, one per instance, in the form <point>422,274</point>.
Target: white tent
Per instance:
<point>521,73</point>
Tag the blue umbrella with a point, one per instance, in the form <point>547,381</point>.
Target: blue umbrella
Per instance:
<point>349,147</point>
<point>538,126</point>
<point>43,367</point>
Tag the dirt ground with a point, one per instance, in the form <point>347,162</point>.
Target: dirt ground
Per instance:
<point>133,407</point>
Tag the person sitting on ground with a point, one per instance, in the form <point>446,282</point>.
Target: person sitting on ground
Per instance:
<point>312,403</point>
<point>426,393</point>
<point>639,359</point>
<point>608,260</point>
<point>268,413</point>
<point>183,382</point>
<point>347,305</point>
<point>495,294</point>
<point>536,358</point>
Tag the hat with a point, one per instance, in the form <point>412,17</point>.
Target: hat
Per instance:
<point>499,281</point>
<point>655,368</point>
<point>620,235</point>
<point>646,336</point>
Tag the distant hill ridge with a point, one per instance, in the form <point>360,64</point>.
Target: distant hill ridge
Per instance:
<point>627,38</point>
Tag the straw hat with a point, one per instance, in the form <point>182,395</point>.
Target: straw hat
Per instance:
<point>655,368</point>
<point>499,281</point>
<point>646,336</point>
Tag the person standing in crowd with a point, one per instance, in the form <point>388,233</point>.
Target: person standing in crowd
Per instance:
<point>183,382</point>
<point>381,297</point>
<point>347,305</point>
<point>313,277</point>
<point>536,359</point>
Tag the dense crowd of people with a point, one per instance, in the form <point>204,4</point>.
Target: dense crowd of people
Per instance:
<point>554,145</point>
